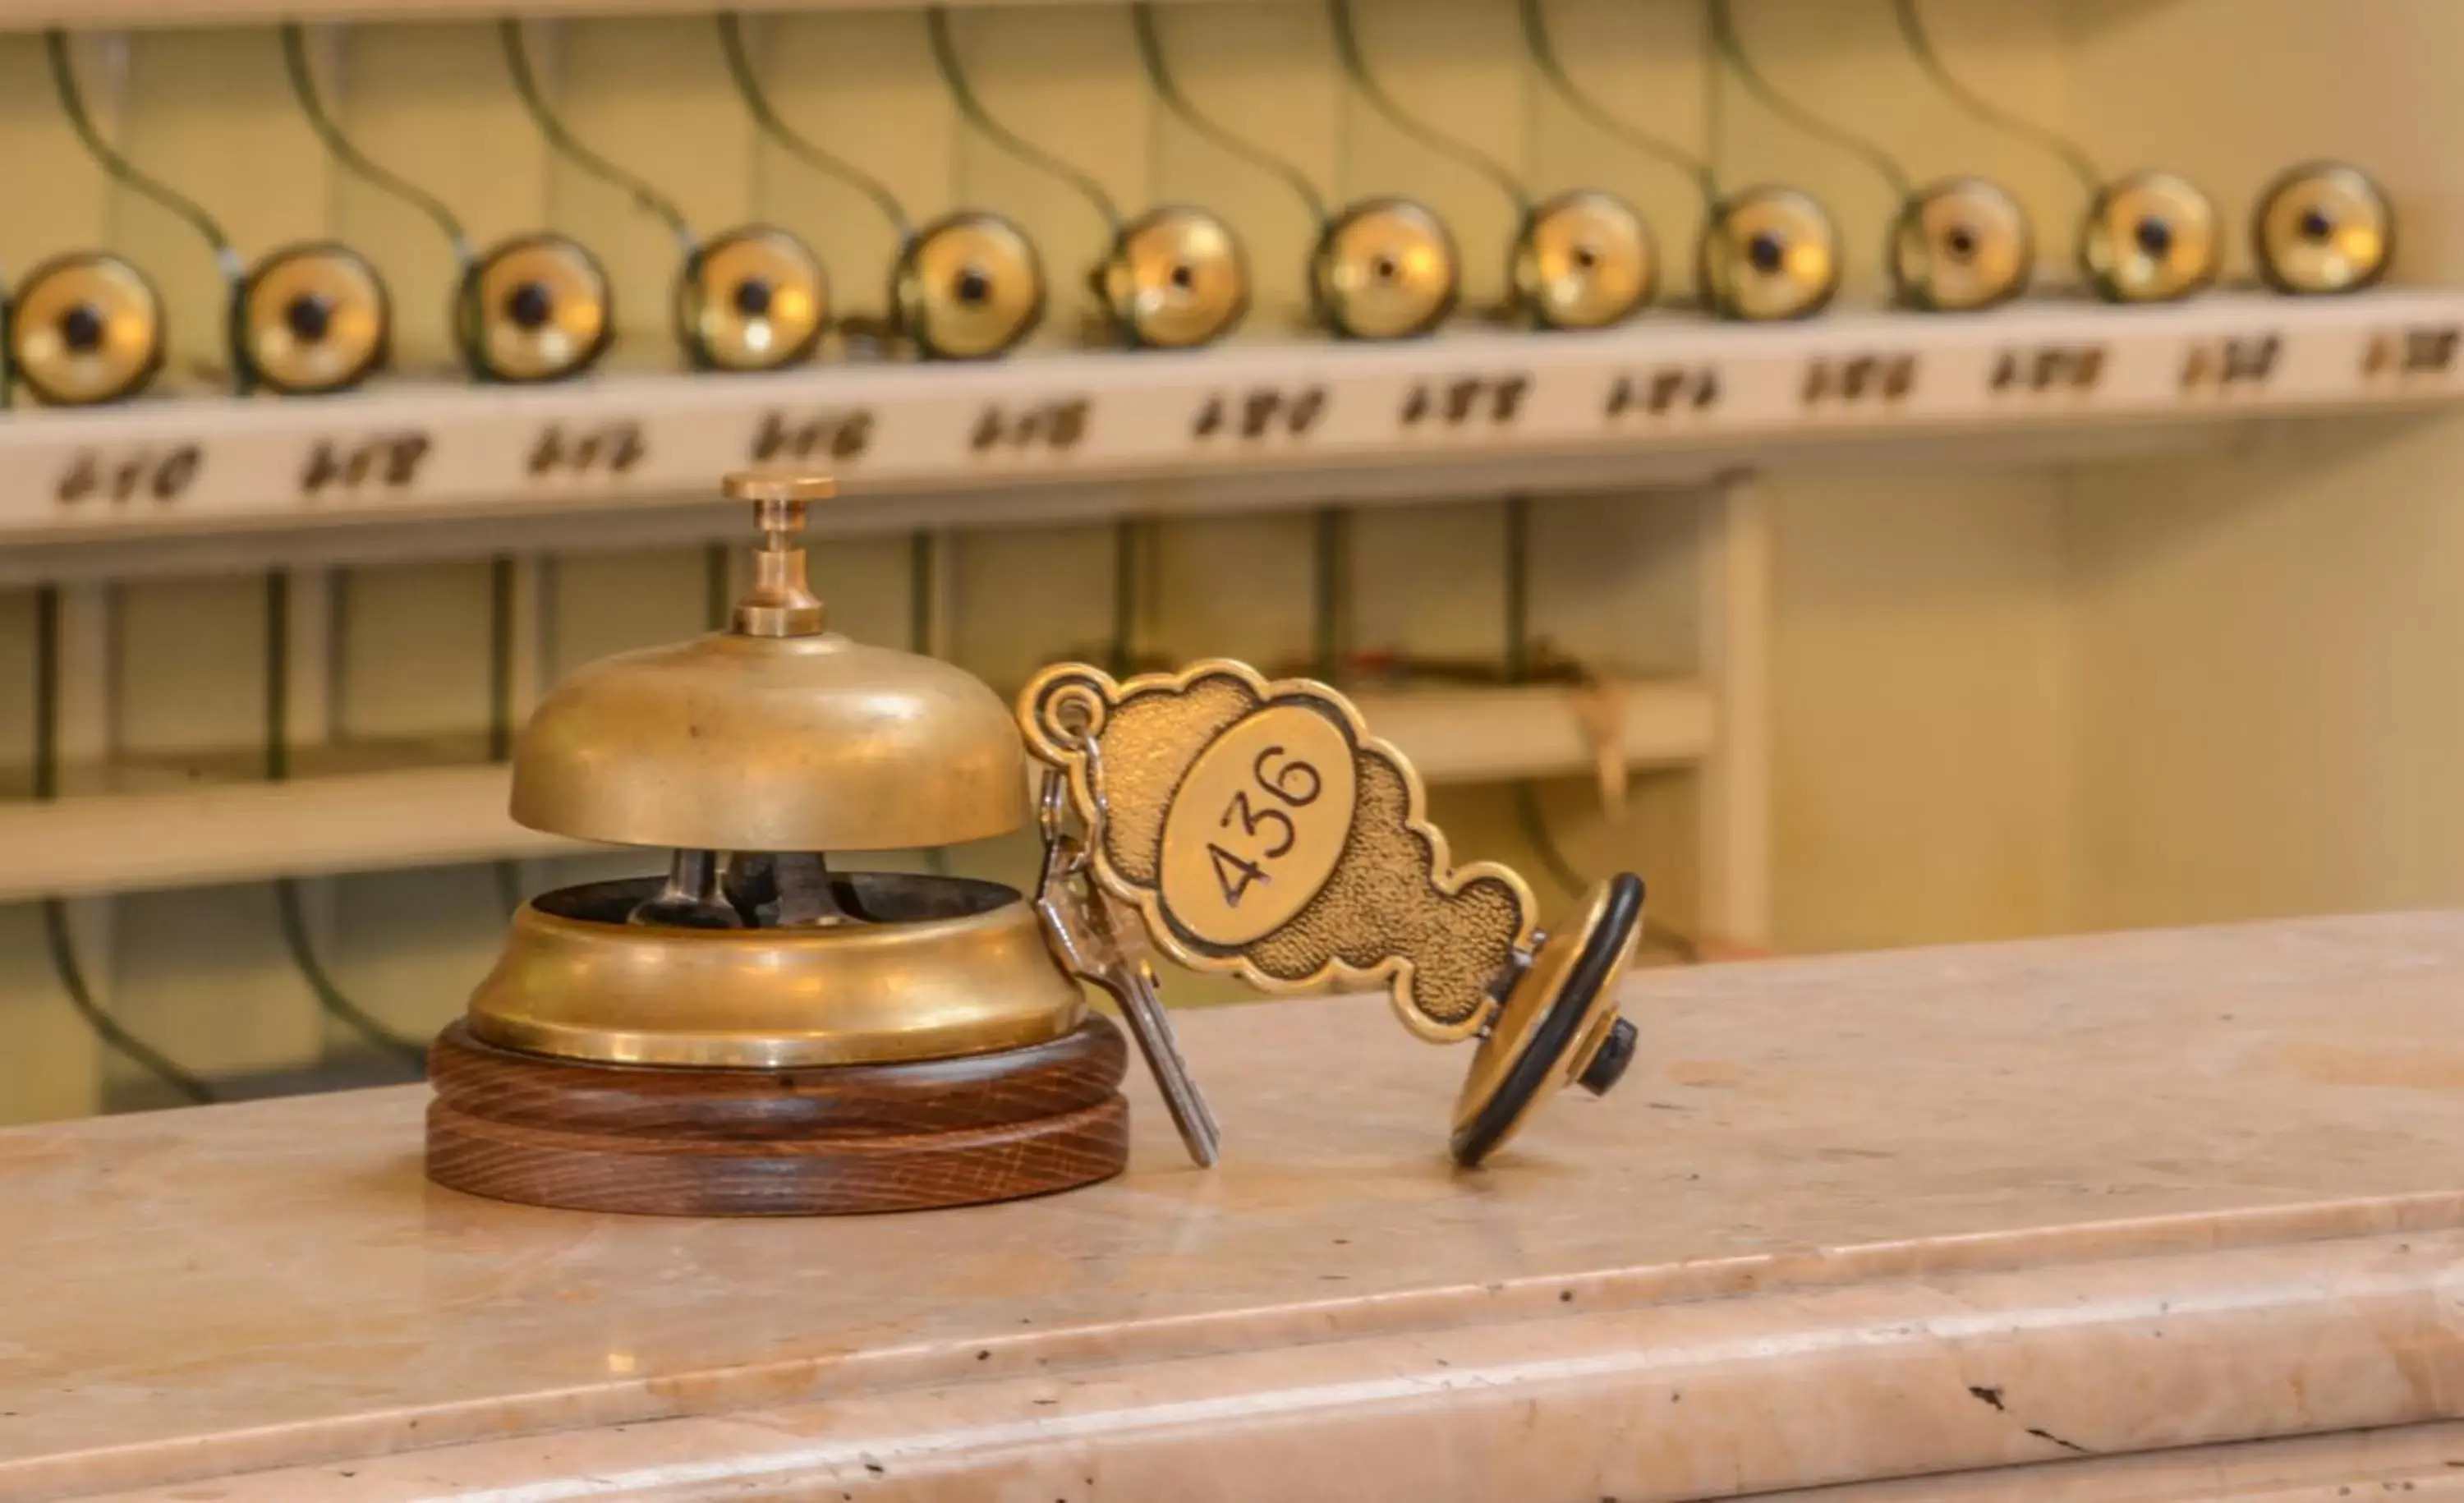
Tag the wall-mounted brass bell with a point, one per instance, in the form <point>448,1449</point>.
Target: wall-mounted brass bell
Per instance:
<point>968,286</point>
<point>1769,253</point>
<point>314,318</point>
<point>754,298</point>
<point>1584,261</point>
<point>1960,247</point>
<point>2321,229</point>
<point>762,1031</point>
<point>2150,238</point>
<point>535,308</point>
<point>87,329</point>
<point>1174,278</point>
<point>1385,269</point>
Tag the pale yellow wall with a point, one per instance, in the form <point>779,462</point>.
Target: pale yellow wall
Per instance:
<point>2270,720</point>
<point>2008,700</point>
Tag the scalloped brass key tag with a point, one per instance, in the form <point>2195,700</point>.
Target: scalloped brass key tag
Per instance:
<point>1257,829</point>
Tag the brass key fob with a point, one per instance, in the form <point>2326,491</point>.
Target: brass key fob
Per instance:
<point>1258,830</point>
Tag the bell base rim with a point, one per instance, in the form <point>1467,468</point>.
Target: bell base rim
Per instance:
<point>841,1141</point>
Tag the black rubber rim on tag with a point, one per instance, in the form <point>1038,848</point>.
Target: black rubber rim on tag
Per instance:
<point>1557,1032</point>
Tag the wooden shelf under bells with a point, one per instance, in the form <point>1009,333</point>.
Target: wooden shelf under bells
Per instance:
<point>440,816</point>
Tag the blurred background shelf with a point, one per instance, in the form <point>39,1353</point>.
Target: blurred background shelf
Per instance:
<point>445,816</point>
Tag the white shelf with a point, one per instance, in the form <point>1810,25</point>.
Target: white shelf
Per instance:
<point>1088,432</point>
<point>243,832</point>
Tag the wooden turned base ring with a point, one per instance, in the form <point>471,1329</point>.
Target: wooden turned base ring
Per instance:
<point>855,1138</point>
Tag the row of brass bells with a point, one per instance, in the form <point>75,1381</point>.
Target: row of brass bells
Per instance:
<point>308,318</point>
<point>89,327</point>
<point>2320,229</point>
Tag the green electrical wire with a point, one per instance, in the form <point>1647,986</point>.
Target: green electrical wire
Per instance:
<point>1921,46</point>
<point>1356,66</point>
<point>287,905</point>
<point>1159,78</point>
<point>756,103</point>
<point>945,59</point>
<point>339,146</point>
<point>518,62</point>
<point>120,169</point>
<point>1723,38</point>
<point>58,941</point>
<point>1553,71</point>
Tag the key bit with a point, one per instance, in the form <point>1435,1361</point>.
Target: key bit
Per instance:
<point>1085,935</point>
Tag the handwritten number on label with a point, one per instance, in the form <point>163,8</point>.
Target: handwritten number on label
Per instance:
<point>1297,785</point>
<point>1054,426</point>
<point>2050,368</point>
<point>159,476</point>
<point>1463,401</point>
<point>836,435</point>
<point>390,460</point>
<point>1857,379</point>
<point>610,448</point>
<point>1671,389</point>
<point>2227,364</point>
<point>1260,413</point>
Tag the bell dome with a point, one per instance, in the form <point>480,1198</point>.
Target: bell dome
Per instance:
<point>776,736</point>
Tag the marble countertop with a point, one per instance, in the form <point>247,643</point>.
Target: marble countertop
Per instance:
<point>1925,1193</point>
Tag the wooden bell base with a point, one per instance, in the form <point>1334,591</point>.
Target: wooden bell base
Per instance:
<point>661,1142</point>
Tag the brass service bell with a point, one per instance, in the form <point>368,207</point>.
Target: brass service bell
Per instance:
<point>87,329</point>
<point>1174,278</point>
<point>2322,229</point>
<point>2150,237</point>
<point>1584,261</point>
<point>766,1030</point>
<point>1768,254</point>
<point>535,308</point>
<point>968,286</point>
<point>312,319</point>
<point>1385,269</point>
<point>1961,246</point>
<point>754,298</point>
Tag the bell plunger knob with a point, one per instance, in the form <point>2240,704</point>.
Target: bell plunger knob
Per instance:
<point>780,603</point>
